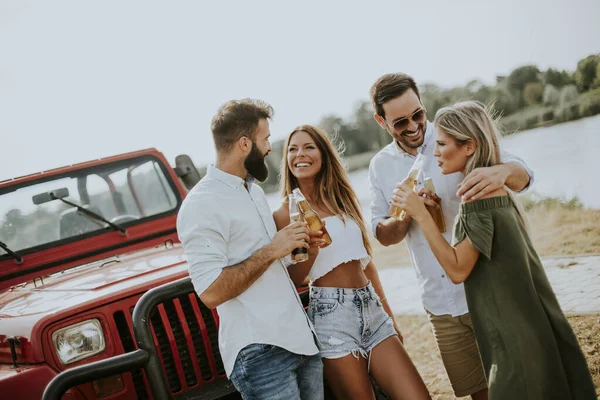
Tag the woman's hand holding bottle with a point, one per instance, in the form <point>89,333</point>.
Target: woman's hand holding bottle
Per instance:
<point>405,198</point>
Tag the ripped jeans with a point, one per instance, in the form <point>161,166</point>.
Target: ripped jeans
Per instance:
<point>348,321</point>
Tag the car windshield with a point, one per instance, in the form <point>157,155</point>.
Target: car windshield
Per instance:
<point>123,193</point>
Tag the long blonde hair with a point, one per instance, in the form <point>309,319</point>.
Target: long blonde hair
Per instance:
<point>332,186</point>
<point>472,120</point>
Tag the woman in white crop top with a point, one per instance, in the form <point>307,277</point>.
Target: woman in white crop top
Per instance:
<point>352,319</point>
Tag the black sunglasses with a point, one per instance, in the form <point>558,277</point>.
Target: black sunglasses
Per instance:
<point>418,117</point>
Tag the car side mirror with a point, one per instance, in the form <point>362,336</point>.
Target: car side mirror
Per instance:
<point>186,170</point>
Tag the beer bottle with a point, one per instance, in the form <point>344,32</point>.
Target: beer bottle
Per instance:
<point>413,175</point>
<point>301,253</point>
<point>311,217</point>
<point>436,211</point>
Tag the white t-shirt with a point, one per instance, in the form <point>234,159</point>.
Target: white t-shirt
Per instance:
<point>221,224</point>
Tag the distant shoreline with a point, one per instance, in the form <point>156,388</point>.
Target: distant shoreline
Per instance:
<point>360,161</point>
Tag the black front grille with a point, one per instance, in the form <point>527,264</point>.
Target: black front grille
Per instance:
<point>176,344</point>
<point>129,345</point>
<point>195,331</point>
<point>213,335</point>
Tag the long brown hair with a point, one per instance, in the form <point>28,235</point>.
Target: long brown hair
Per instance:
<point>332,186</point>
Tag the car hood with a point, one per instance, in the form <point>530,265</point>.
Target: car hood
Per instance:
<point>25,309</point>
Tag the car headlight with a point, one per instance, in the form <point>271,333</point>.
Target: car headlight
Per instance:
<point>79,341</point>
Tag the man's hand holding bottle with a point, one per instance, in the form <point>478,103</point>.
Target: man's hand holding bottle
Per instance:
<point>293,236</point>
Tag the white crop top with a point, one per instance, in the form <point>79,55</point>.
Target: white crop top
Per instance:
<point>346,245</point>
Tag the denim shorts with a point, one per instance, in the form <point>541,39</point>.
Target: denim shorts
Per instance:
<point>348,321</point>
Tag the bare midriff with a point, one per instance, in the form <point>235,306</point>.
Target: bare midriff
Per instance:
<point>347,275</point>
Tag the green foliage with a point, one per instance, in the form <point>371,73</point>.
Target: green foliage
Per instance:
<point>571,106</point>
<point>519,78</point>
<point>485,94</point>
<point>532,94</point>
<point>594,93</point>
<point>596,83</point>
<point>585,74</point>
<point>590,103</point>
<point>548,116</point>
<point>551,95</point>
<point>575,112</point>
<point>366,125</point>
<point>568,94</point>
<point>557,78</point>
<point>331,123</point>
<point>505,102</point>
<point>568,112</point>
<point>433,98</point>
<point>529,118</point>
<point>532,121</point>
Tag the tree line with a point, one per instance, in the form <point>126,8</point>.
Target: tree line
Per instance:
<point>525,98</point>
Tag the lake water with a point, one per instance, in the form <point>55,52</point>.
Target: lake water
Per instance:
<point>563,157</point>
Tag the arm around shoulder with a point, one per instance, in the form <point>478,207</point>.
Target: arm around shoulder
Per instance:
<point>518,178</point>
<point>519,175</point>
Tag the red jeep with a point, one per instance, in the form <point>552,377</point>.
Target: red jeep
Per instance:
<point>79,246</point>
<point>95,297</point>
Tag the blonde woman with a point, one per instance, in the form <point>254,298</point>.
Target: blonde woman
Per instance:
<point>352,319</point>
<point>527,346</point>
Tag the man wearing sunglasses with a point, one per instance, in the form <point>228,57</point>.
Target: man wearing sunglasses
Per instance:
<point>399,110</point>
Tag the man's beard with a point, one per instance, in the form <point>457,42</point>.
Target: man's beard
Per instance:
<point>409,143</point>
<point>256,165</point>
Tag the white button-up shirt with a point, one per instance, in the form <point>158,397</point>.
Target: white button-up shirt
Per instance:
<point>220,224</point>
<point>391,165</point>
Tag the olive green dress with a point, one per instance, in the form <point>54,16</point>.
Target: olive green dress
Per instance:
<point>527,346</point>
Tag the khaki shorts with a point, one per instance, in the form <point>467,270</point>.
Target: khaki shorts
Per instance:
<point>456,340</point>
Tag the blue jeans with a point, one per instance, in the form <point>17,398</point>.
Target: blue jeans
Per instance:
<point>264,371</point>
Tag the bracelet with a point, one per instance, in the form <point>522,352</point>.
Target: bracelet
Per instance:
<point>382,300</point>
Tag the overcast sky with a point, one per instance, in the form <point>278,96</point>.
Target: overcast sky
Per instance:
<point>82,80</point>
